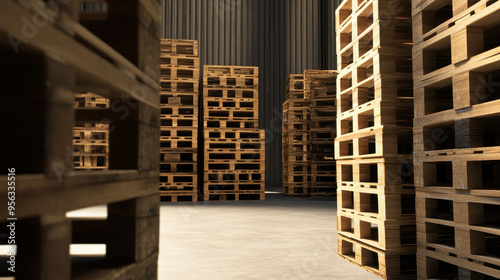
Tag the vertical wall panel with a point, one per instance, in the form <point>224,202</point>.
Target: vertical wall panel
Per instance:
<point>279,36</point>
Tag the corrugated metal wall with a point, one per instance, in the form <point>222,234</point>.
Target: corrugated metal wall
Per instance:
<point>279,36</point>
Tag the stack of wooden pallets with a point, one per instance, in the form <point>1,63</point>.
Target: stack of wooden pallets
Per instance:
<point>234,145</point>
<point>90,139</point>
<point>376,211</point>
<point>179,95</point>
<point>457,139</point>
<point>111,55</point>
<point>320,86</point>
<point>296,144</point>
<point>309,133</point>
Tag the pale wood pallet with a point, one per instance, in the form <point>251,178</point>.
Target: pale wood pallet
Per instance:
<point>171,60</point>
<point>455,87</point>
<point>397,266</point>
<point>230,123</point>
<point>69,55</point>
<point>230,113</point>
<point>174,167</point>
<point>179,72</point>
<point>175,85</point>
<point>214,94</point>
<point>236,71</point>
<point>231,81</point>
<point>174,99</point>
<point>173,111</point>
<point>180,47</point>
<point>89,101</point>
<point>179,122</point>
<point>235,103</point>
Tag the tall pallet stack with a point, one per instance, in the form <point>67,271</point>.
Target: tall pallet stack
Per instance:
<point>179,95</point>
<point>91,139</point>
<point>456,133</point>
<point>320,86</point>
<point>296,144</point>
<point>234,154</point>
<point>376,211</point>
<point>69,52</point>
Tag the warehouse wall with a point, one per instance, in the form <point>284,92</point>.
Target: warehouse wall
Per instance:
<point>280,36</point>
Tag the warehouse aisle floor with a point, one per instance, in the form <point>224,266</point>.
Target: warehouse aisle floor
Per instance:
<point>279,238</point>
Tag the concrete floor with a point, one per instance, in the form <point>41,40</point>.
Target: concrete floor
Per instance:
<point>279,238</point>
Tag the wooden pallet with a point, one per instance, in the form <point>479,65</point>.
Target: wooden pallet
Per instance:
<point>234,103</point>
<point>217,70</point>
<point>92,161</point>
<point>187,132</point>
<point>171,111</point>
<point>179,47</point>
<point>171,142</point>
<point>234,144</point>
<point>231,82</point>
<point>231,124</point>
<point>178,196</point>
<point>215,94</point>
<point>296,104</point>
<point>234,176</point>
<point>327,135</point>
<point>240,134</point>
<point>228,113</point>
<point>226,165</point>
<point>177,178</point>
<point>294,82</point>
<point>397,266</point>
<point>174,99</point>
<point>174,85</point>
<point>234,154</point>
<point>169,166</point>
<point>180,73</point>
<point>324,80</point>
<point>168,61</point>
<point>90,101</point>
<point>168,122</point>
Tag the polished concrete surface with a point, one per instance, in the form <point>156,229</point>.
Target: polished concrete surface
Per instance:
<point>279,238</point>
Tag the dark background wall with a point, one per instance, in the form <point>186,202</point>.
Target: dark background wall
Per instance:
<point>282,37</point>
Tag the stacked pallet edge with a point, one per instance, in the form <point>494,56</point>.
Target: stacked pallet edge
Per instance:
<point>375,193</point>
<point>179,99</point>
<point>456,58</point>
<point>80,51</point>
